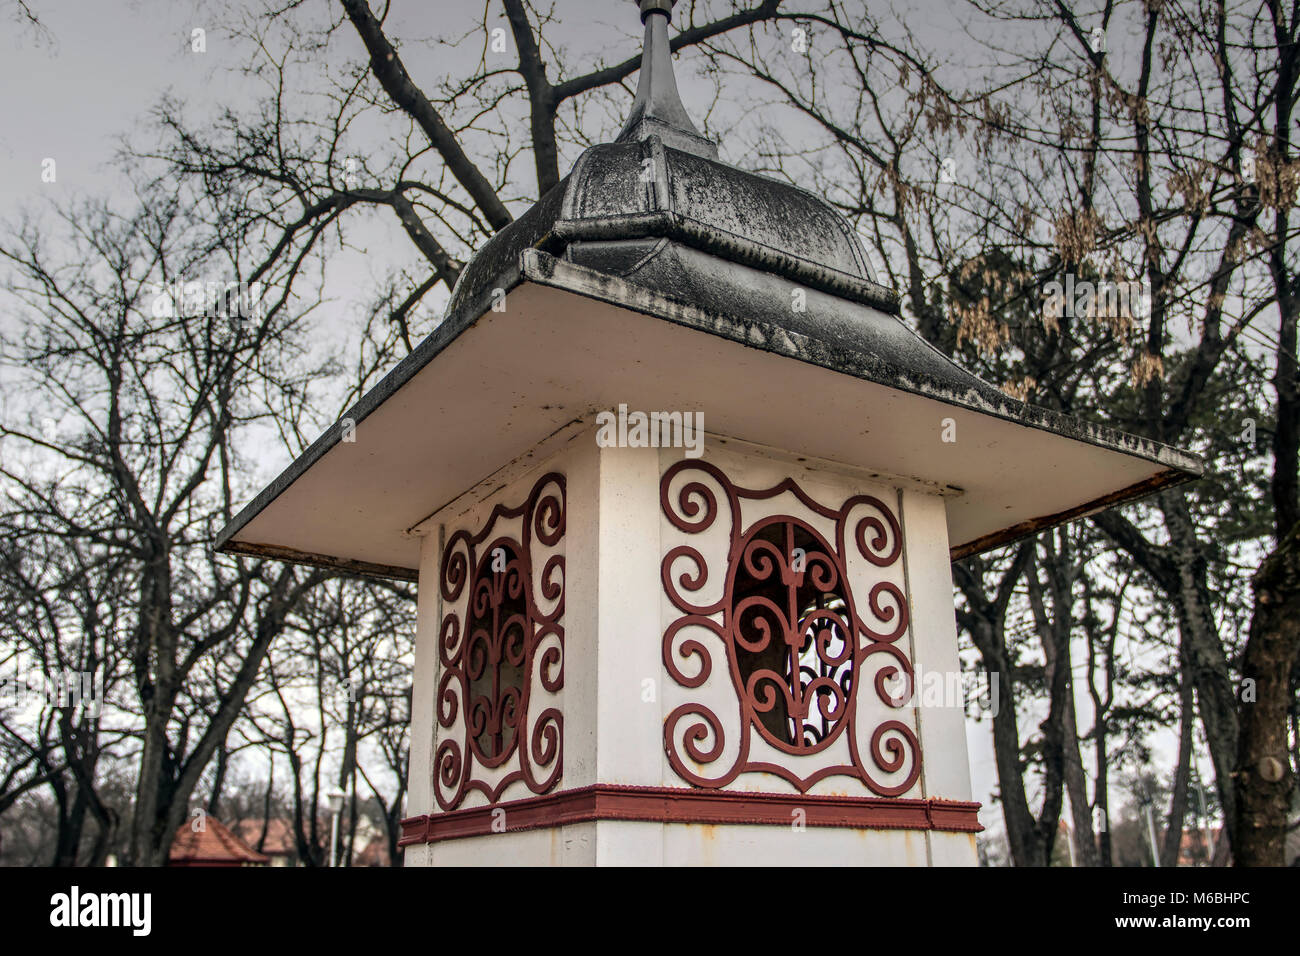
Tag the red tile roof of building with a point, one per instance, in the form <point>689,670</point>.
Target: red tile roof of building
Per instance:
<point>206,840</point>
<point>375,853</point>
<point>279,841</point>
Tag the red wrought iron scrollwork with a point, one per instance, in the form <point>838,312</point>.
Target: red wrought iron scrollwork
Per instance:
<point>796,641</point>
<point>501,647</point>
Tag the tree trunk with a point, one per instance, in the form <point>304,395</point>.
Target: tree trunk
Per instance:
<point>1076,785</point>
<point>1100,642</point>
<point>1022,832</point>
<point>1182,772</point>
<point>1203,651</point>
<point>218,782</point>
<point>1060,737</point>
<point>1264,776</point>
<point>71,825</point>
<point>1105,853</point>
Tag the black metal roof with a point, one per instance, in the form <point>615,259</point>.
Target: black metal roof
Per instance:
<point>619,195</point>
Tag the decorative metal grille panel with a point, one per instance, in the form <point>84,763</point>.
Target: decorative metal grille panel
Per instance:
<point>501,651</point>
<point>800,617</point>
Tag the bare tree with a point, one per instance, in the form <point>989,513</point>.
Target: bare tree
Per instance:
<point>146,395</point>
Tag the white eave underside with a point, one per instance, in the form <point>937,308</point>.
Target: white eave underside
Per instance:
<point>511,379</point>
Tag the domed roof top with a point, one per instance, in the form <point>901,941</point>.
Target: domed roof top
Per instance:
<point>649,190</point>
<point>662,180</point>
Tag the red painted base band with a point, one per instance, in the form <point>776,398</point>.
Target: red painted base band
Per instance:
<point>677,805</point>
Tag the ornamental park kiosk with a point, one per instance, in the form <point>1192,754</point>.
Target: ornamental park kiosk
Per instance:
<point>681,491</point>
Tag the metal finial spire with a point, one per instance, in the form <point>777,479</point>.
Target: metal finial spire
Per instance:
<point>657,109</point>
